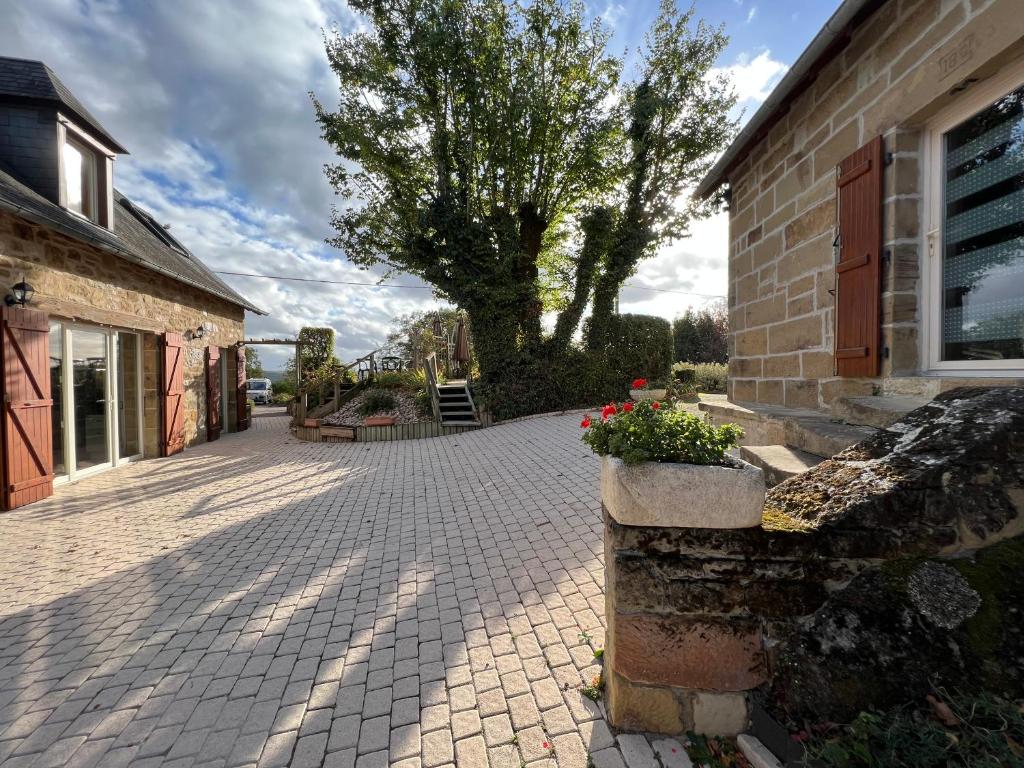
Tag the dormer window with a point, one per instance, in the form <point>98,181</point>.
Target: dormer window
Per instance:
<point>86,167</point>
<point>80,179</point>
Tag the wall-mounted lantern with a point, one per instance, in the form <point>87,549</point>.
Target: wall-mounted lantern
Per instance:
<point>21,293</point>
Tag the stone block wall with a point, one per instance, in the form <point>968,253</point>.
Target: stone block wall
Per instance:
<point>897,71</point>
<point>887,569</point>
<point>74,281</point>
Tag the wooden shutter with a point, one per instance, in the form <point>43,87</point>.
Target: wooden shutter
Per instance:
<point>213,393</point>
<point>28,407</point>
<point>173,437</point>
<point>242,397</point>
<point>858,271</point>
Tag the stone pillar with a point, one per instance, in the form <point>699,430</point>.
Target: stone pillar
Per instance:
<point>678,656</point>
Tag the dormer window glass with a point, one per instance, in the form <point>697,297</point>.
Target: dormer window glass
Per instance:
<point>80,179</point>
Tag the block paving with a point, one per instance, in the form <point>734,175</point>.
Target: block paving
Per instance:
<point>262,601</point>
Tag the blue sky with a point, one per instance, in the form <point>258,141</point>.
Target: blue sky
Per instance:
<point>211,100</point>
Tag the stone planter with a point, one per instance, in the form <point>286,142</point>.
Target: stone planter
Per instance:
<point>648,394</point>
<point>682,495</point>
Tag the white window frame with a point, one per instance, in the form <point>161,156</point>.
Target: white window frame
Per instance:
<point>966,106</point>
<point>112,394</point>
<point>102,162</point>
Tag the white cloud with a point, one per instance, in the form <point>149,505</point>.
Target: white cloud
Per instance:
<point>751,13</point>
<point>753,78</point>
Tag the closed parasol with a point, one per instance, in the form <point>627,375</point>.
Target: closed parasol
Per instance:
<point>461,342</point>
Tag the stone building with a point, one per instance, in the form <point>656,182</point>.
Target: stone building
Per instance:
<point>876,212</point>
<point>127,346</point>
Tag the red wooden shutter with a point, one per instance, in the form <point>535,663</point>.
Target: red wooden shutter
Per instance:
<point>173,439</point>
<point>858,272</point>
<point>213,393</point>
<point>28,407</point>
<point>242,396</point>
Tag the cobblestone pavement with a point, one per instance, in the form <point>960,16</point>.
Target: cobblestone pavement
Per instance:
<point>264,601</point>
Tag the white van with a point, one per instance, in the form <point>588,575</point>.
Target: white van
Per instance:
<point>260,391</point>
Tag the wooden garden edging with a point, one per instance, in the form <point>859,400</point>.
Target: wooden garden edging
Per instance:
<point>416,431</point>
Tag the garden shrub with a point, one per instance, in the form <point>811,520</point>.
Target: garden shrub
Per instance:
<point>640,346</point>
<point>375,401</point>
<point>646,431</point>
<point>973,731</point>
<point>710,378</point>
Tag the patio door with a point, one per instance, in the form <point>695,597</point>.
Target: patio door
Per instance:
<point>96,381</point>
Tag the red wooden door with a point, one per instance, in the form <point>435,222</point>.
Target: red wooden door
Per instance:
<point>28,407</point>
<point>213,393</point>
<point>858,271</point>
<point>241,396</point>
<point>173,437</point>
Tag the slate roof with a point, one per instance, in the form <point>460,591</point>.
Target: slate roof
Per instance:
<point>34,81</point>
<point>137,237</point>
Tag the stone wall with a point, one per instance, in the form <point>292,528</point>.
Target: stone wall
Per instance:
<point>74,281</point>
<point>896,72</point>
<point>896,564</point>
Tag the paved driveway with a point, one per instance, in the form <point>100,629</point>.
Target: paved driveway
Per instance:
<point>260,600</point>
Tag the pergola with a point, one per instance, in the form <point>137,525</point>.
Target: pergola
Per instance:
<point>283,342</point>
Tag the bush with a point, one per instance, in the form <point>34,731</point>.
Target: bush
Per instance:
<point>401,379</point>
<point>973,731</point>
<point>640,346</point>
<point>710,378</point>
<point>555,383</point>
<point>702,336</point>
<point>375,401</point>
<point>283,398</point>
<point>424,406</point>
<point>645,431</point>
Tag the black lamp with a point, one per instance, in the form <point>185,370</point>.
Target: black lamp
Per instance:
<point>21,293</point>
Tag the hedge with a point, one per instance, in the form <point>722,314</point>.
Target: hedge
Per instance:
<point>641,346</point>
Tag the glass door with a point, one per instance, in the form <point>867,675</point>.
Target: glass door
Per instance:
<point>96,380</point>
<point>129,395</point>
<point>89,372</point>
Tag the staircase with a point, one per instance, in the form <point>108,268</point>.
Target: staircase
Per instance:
<point>456,404</point>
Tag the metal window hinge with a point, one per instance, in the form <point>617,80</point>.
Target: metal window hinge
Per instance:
<point>885,353</point>
<point>889,158</point>
<point>886,256</point>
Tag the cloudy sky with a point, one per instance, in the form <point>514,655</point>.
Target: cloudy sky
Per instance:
<point>210,98</point>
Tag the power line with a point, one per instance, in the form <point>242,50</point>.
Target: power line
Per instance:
<point>428,288</point>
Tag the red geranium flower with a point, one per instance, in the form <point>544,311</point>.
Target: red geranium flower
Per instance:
<point>639,383</point>
<point>655,405</point>
<point>627,407</point>
<point>608,411</point>
<point>586,422</point>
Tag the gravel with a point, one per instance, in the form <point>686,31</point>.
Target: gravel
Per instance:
<point>405,411</point>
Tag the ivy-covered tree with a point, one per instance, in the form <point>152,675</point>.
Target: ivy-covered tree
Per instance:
<point>480,140</point>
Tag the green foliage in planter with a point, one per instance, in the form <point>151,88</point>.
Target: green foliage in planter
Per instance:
<point>645,431</point>
<point>975,731</point>
<point>710,378</point>
<point>375,401</point>
<point>423,404</point>
<point>400,380</point>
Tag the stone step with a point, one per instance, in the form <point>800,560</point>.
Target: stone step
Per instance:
<point>878,411</point>
<point>778,462</point>
<point>757,754</point>
<point>822,437</point>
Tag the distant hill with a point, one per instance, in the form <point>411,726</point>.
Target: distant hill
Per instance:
<point>274,376</point>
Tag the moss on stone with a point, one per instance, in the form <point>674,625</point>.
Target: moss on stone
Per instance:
<point>993,573</point>
<point>775,519</point>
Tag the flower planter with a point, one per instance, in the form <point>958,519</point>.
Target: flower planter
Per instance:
<point>683,495</point>
<point>311,422</point>
<point>379,421</point>
<point>648,394</point>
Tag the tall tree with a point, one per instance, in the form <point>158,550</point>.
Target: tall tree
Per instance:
<point>471,132</point>
<point>678,122</point>
<point>477,137</point>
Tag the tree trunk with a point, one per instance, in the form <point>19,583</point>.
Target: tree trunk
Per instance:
<point>597,226</point>
<point>531,236</point>
<point>494,338</point>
